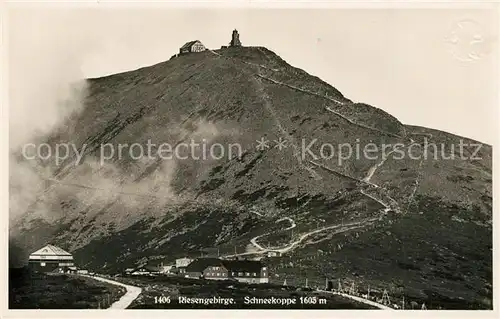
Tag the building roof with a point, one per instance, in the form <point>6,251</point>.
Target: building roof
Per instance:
<point>189,44</point>
<point>152,267</point>
<point>200,264</point>
<point>51,250</point>
<point>243,265</point>
<point>184,258</point>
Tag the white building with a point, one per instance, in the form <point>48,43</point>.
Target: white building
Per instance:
<point>182,262</point>
<point>50,258</point>
<point>165,269</point>
<point>273,253</point>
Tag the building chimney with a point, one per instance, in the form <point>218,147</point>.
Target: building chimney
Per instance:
<point>235,39</point>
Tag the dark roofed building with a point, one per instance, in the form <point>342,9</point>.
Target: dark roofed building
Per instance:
<point>196,267</point>
<point>250,271</point>
<point>192,46</point>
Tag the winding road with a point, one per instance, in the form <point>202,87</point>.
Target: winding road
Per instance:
<point>125,301</point>
<point>253,241</point>
<point>348,227</point>
<point>292,245</point>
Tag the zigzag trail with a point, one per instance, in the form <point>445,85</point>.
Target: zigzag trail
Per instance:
<point>395,205</point>
<point>253,241</point>
<point>304,236</point>
<point>269,108</point>
<point>328,108</point>
<point>293,142</point>
<point>417,181</point>
<point>331,170</point>
<point>292,245</point>
<point>372,170</point>
<point>307,92</point>
<point>311,93</point>
<point>419,176</point>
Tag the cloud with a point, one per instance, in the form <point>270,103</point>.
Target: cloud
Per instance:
<point>46,86</point>
<point>46,81</point>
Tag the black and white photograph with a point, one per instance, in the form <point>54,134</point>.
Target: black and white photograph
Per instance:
<point>255,157</point>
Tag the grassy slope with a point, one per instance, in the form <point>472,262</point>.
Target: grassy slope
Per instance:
<point>58,291</point>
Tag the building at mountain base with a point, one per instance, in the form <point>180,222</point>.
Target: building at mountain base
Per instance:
<point>51,258</point>
<point>181,264</point>
<point>248,271</point>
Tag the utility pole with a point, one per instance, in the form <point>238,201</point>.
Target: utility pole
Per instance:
<point>307,286</point>
<point>298,192</point>
<point>326,283</point>
<point>352,290</point>
<point>385,298</point>
<point>403,303</point>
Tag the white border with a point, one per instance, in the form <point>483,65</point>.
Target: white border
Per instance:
<point>4,168</point>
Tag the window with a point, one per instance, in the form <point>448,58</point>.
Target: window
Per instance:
<point>263,268</point>
<point>234,274</point>
<point>255,274</point>
<point>247,274</point>
<point>240,274</point>
<point>217,274</point>
<point>42,264</point>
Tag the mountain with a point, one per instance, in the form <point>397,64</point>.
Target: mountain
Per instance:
<point>413,225</point>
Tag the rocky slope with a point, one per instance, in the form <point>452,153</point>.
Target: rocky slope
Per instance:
<point>420,225</point>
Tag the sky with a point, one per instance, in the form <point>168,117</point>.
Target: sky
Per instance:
<point>399,60</point>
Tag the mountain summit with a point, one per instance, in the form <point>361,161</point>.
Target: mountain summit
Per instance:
<point>418,225</point>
